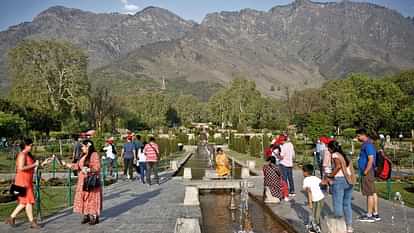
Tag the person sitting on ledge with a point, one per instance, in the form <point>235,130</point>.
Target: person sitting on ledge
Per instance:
<point>222,163</point>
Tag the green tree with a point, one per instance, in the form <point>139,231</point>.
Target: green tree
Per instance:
<point>11,125</point>
<point>318,125</point>
<point>49,76</point>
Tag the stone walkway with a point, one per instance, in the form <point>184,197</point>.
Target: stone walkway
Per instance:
<point>296,212</point>
<point>128,207</point>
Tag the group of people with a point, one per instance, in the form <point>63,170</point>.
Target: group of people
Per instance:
<point>86,163</point>
<point>337,177</point>
<point>278,173</point>
<point>87,202</point>
<point>140,155</point>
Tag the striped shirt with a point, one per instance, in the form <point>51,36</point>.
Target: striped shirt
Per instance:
<point>151,151</point>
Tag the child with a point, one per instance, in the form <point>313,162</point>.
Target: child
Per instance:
<point>315,196</point>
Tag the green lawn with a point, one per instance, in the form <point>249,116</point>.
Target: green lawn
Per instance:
<point>408,197</point>
<point>53,199</point>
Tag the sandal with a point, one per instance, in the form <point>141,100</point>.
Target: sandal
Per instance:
<point>85,219</point>
<point>10,221</point>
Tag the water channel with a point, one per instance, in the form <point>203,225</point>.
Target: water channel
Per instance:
<point>218,217</point>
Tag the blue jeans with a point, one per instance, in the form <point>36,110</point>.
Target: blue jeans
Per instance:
<point>142,170</point>
<point>288,177</point>
<point>342,198</point>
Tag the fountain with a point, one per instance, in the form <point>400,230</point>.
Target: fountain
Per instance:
<point>225,203</point>
<point>398,200</point>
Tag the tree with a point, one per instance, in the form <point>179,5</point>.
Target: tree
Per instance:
<point>239,105</point>
<point>318,125</point>
<point>11,125</point>
<point>151,108</point>
<point>102,107</point>
<point>405,119</point>
<point>49,76</point>
<point>360,101</point>
<point>189,109</point>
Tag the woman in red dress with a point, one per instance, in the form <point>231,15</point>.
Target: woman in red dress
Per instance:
<point>89,204</point>
<point>25,167</point>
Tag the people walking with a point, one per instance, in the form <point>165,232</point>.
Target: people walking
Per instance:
<point>141,163</point>
<point>366,167</point>
<point>88,200</point>
<point>128,154</point>
<point>287,155</point>
<point>25,168</point>
<point>342,179</point>
<point>152,153</point>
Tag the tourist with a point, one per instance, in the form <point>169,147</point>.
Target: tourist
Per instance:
<point>342,179</point>
<point>223,167</point>
<point>25,168</point>
<point>286,164</point>
<point>136,139</point>
<point>272,178</point>
<point>110,153</point>
<point>311,185</point>
<point>128,155</point>
<point>319,153</point>
<point>87,203</point>
<point>366,166</point>
<point>152,154</point>
<point>141,163</point>
<point>77,150</point>
<point>327,157</point>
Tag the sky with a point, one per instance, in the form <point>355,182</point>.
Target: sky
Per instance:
<point>13,12</point>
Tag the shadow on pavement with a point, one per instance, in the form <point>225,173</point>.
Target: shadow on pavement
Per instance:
<point>129,204</point>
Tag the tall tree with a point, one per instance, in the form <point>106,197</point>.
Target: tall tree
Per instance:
<point>48,76</point>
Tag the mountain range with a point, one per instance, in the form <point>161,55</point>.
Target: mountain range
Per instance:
<point>299,45</point>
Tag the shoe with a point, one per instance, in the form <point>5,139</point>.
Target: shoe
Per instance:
<point>377,217</point>
<point>292,194</point>
<point>34,225</point>
<point>286,199</point>
<point>349,230</point>
<point>94,220</point>
<point>85,219</point>
<point>366,218</point>
<point>10,221</point>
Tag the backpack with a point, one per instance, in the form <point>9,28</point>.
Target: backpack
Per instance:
<point>383,166</point>
<point>113,149</point>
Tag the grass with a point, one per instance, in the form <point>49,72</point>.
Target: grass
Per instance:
<point>408,197</point>
<point>53,199</point>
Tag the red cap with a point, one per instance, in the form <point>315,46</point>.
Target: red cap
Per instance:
<point>326,140</point>
<point>280,139</point>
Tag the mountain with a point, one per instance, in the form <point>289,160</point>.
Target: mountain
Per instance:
<point>299,45</point>
<point>105,37</point>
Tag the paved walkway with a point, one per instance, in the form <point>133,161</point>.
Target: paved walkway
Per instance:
<point>296,212</point>
<point>128,207</point>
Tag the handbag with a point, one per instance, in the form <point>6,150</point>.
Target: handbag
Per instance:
<point>17,191</point>
<point>91,182</point>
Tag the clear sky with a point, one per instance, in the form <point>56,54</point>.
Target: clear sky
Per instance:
<point>13,12</point>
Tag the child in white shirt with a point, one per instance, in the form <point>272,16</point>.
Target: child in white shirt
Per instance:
<point>311,184</point>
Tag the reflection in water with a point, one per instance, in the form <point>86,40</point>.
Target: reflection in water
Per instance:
<point>218,218</point>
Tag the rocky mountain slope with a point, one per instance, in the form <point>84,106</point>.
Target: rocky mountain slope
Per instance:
<point>298,45</point>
